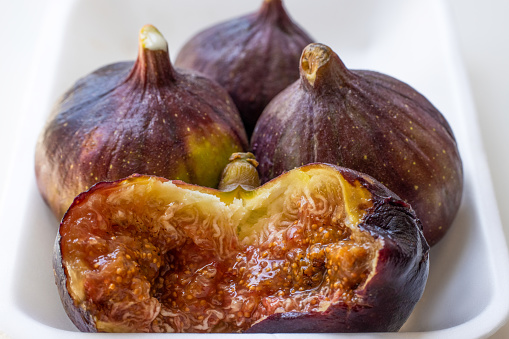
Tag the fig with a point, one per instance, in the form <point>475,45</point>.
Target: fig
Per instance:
<point>369,122</point>
<point>321,248</point>
<point>254,57</point>
<point>137,117</point>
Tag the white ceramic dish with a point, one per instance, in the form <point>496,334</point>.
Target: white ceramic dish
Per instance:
<point>466,295</point>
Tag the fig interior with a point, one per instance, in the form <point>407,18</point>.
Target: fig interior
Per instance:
<point>147,255</point>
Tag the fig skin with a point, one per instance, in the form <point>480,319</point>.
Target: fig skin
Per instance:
<point>382,302</point>
<point>254,57</point>
<point>143,117</point>
<point>369,122</point>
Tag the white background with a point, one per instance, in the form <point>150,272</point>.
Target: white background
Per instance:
<point>482,29</point>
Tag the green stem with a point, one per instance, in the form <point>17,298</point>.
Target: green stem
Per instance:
<point>240,171</point>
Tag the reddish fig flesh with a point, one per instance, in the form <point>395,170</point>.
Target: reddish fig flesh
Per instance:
<point>318,249</point>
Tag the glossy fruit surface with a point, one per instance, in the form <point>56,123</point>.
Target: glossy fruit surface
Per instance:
<point>369,122</point>
<point>318,249</point>
<point>143,117</point>
<point>254,57</point>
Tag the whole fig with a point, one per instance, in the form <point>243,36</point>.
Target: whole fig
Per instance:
<point>319,249</point>
<point>369,122</point>
<point>143,117</point>
<point>254,57</point>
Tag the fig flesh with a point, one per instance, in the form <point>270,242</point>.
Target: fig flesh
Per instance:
<point>369,122</point>
<point>318,249</point>
<point>254,57</point>
<point>143,117</point>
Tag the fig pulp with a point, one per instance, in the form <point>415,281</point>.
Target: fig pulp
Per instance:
<point>254,57</point>
<point>368,122</point>
<point>143,117</point>
<point>318,249</point>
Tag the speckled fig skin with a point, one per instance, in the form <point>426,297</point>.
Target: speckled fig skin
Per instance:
<point>369,122</point>
<point>382,303</point>
<point>143,117</point>
<point>254,57</point>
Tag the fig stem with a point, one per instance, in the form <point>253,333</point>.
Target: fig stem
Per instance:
<point>321,67</point>
<point>314,57</point>
<point>153,65</point>
<point>274,11</point>
<point>240,171</point>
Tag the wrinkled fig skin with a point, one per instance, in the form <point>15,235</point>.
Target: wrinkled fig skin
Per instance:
<point>143,117</point>
<point>369,122</point>
<point>254,57</point>
<point>382,303</point>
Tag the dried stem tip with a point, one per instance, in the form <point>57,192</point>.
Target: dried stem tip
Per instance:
<point>314,57</point>
<point>152,39</point>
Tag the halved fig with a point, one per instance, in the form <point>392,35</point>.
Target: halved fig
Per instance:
<point>319,249</point>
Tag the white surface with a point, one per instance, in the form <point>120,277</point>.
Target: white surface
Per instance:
<point>484,55</point>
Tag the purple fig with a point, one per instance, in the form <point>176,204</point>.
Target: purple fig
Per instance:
<point>369,122</point>
<point>254,57</point>
<point>143,117</point>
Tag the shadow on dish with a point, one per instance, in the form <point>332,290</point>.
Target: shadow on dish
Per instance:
<point>456,291</point>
